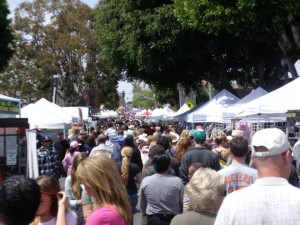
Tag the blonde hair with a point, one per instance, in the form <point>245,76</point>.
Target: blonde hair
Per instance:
<point>102,176</point>
<point>151,138</point>
<point>75,184</point>
<point>126,153</point>
<point>221,137</point>
<point>185,134</point>
<point>205,188</point>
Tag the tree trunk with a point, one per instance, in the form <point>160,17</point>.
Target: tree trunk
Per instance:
<point>261,74</point>
<point>224,81</point>
<point>295,31</point>
<point>287,46</point>
<point>291,67</point>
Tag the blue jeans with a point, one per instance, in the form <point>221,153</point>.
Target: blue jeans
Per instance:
<point>133,202</point>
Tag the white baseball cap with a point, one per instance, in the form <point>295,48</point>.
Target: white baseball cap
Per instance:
<point>274,139</point>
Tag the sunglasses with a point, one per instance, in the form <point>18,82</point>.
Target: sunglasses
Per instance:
<point>45,141</point>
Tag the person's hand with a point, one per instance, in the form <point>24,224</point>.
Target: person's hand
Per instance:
<point>87,214</point>
<point>78,202</point>
<point>62,199</point>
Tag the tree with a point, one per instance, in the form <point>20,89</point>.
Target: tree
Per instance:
<point>6,35</point>
<point>144,40</point>
<point>143,96</point>
<point>256,21</point>
<point>58,40</point>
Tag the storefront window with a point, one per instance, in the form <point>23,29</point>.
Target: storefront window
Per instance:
<point>2,153</point>
<point>11,130</point>
<point>13,148</point>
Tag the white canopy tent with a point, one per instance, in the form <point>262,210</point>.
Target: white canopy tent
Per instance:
<point>144,112</point>
<point>54,109</point>
<point>75,112</point>
<point>274,104</point>
<point>239,105</point>
<point>182,117</point>
<point>45,115</point>
<point>184,108</point>
<point>214,110</point>
<point>162,114</point>
<point>107,114</point>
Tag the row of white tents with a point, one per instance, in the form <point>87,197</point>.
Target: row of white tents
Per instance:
<point>47,115</point>
<point>257,106</point>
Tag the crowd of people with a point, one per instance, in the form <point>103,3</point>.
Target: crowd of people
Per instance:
<point>180,177</point>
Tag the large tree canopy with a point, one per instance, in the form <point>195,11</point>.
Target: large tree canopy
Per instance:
<point>6,36</point>
<point>144,40</point>
<point>57,39</point>
<point>257,21</point>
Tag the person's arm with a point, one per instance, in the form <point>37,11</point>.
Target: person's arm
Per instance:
<point>181,196</point>
<point>184,170</point>
<point>216,164</point>
<point>87,207</point>
<point>72,201</point>
<point>138,178</point>
<point>143,203</point>
<point>225,153</point>
<point>66,163</point>
<point>87,211</point>
<point>61,213</point>
<point>175,166</point>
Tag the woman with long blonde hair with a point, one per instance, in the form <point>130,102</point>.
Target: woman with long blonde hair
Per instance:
<point>131,174</point>
<point>101,180</point>
<point>53,207</point>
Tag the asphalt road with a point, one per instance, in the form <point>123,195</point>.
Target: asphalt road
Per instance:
<point>137,219</point>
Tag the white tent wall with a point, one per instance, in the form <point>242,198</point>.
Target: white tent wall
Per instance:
<point>184,108</point>
<point>54,109</point>
<point>239,105</point>
<point>74,111</point>
<point>274,104</point>
<point>107,114</point>
<point>45,116</point>
<point>162,114</point>
<point>214,109</point>
<point>182,117</point>
<point>32,165</point>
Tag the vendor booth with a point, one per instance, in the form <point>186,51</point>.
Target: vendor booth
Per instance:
<point>13,149</point>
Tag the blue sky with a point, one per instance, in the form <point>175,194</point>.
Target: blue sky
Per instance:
<point>123,86</point>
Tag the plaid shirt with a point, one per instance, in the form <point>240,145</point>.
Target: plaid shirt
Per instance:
<point>48,161</point>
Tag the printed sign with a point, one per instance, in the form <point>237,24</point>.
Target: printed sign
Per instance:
<point>11,157</point>
<point>9,107</point>
<point>190,105</point>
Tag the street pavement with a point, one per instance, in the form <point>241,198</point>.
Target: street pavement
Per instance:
<point>137,219</point>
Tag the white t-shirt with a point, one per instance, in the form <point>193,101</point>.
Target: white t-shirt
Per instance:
<point>70,216</point>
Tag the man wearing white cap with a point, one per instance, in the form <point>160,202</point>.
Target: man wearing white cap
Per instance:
<point>271,200</point>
